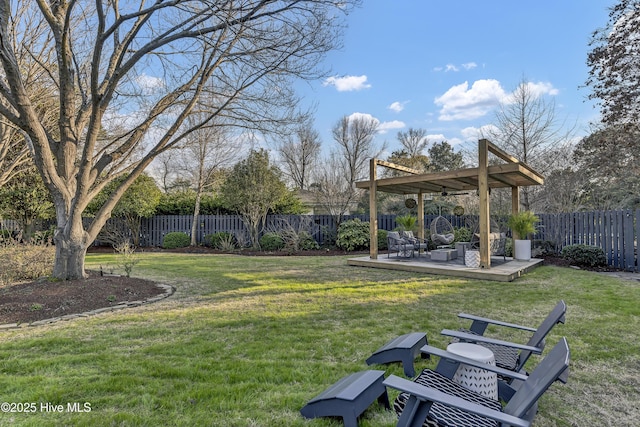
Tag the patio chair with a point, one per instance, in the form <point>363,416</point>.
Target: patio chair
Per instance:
<point>441,231</point>
<point>435,400</point>
<point>397,244</point>
<point>497,239</point>
<point>418,244</point>
<point>508,355</point>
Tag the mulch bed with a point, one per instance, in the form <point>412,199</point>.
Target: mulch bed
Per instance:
<point>43,299</point>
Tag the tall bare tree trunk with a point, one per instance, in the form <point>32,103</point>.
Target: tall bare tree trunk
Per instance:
<point>196,214</point>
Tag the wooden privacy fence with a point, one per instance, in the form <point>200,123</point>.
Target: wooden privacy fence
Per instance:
<point>616,232</point>
<point>321,227</point>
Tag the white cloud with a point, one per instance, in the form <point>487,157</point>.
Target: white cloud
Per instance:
<point>397,106</point>
<point>462,102</point>
<point>455,68</point>
<point>471,133</point>
<point>436,138</point>
<point>542,88</point>
<point>364,116</point>
<point>385,127</point>
<point>149,83</point>
<point>347,83</point>
<point>535,90</point>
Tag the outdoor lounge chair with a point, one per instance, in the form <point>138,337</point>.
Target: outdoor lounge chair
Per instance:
<point>418,244</point>
<point>497,239</point>
<point>398,245</point>
<point>508,355</point>
<point>433,399</point>
<point>441,231</point>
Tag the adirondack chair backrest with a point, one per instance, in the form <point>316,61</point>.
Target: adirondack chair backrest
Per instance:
<point>537,339</point>
<point>553,367</point>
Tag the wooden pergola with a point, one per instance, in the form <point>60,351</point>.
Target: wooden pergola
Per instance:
<point>511,174</point>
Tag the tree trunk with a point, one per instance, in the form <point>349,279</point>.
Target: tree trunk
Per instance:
<point>194,224</point>
<point>71,249</point>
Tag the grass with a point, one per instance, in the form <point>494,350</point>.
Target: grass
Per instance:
<point>247,341</point>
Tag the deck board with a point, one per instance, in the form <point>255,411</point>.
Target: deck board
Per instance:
<point>500,271</point>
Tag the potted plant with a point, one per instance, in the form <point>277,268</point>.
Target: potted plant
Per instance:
<point>406,222</point>
<point>523,224</point>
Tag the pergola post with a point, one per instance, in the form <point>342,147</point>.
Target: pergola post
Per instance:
<point>515,204</point>
<point>373,210</point>
<point>483,190</point>
<point>420,215</point>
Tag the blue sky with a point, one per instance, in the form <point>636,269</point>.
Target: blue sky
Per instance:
<point>444,66</point>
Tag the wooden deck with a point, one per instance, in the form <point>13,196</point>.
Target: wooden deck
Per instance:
<point>500,271</point>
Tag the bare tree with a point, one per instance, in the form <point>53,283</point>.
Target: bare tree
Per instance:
<point>165,170</point>
<point>527,127</point>
<point>355,137</point>
<point>14,153</point>
<point>299,153</point>
<point>333,193</point>
<point>15,156</point>
<point>564,191</point>
<point>145,67</point>
<point>414,141</point>
<point>205,152</point>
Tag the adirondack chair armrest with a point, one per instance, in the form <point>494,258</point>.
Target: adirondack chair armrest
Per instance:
<point>479,338</point>
<point>495,322</point>
<point>427,394</point>
<point>443,354</point>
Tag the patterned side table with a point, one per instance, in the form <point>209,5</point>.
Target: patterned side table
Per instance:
<point>475,379</point>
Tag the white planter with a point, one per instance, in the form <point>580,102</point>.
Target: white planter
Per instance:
<point>472,258</point>
<point>522,249</point>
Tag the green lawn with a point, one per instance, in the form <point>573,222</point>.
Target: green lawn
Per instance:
<point>246,341</point>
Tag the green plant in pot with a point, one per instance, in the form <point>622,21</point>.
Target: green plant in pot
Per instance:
<point>523,224</point>
<point>407,222</point>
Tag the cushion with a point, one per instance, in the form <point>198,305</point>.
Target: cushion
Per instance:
<point>409,237</point>
<point>393,235</point>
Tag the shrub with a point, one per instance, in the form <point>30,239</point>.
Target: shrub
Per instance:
<point>271,242</point>
<point>584,255</point>
<point>382,240</point>
<point>545,247</point>
<point>25,261</point>
<point>176,239</point>
<point>462,234</point>
<point>219,240</point>
<point>307,242</point>
<point>43,237</point>
<point>127,258</point>
<point>353,235</point>
<point>508,247</point>
<point>6,236</point>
